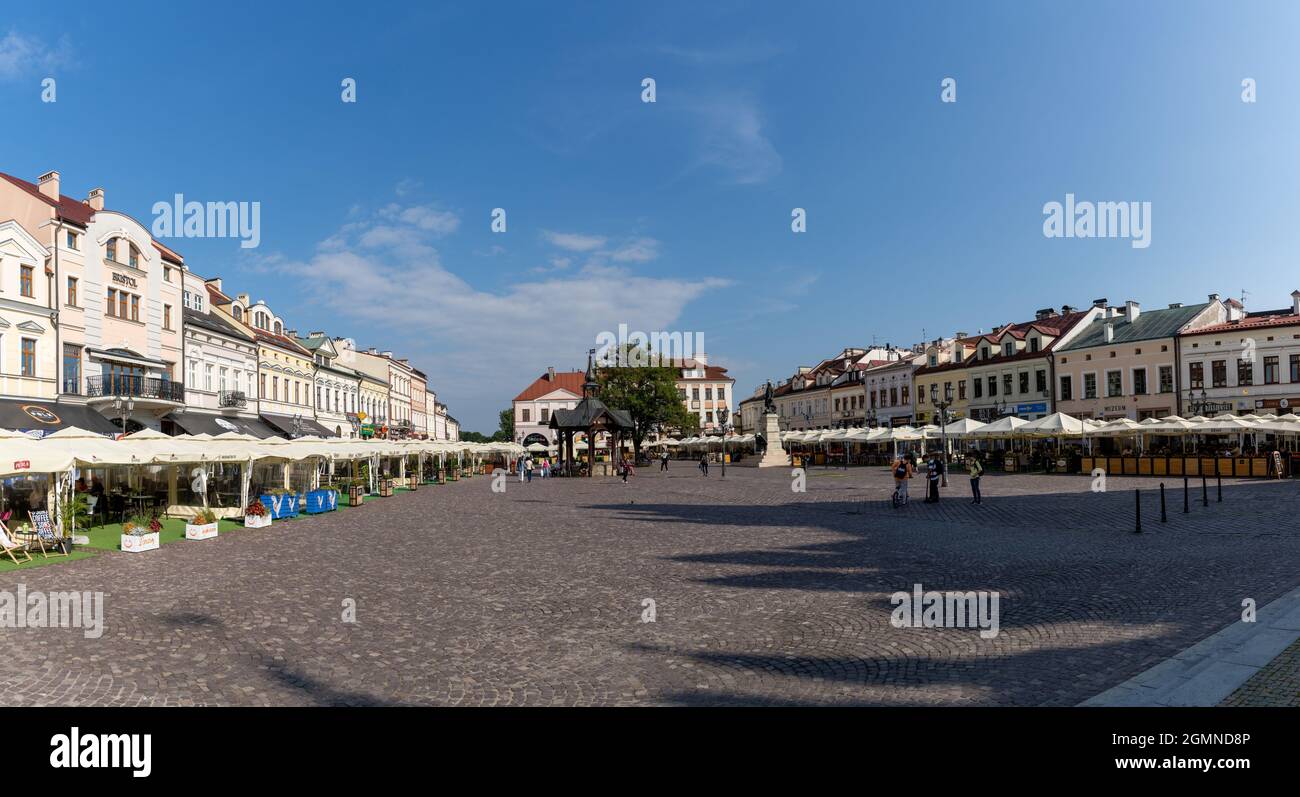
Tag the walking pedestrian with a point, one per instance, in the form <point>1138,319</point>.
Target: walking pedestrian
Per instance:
<point>663,460</point>
<point>519,466</point>
<point>704,464</point>
<point>976,470</point>
<point>528,469</point>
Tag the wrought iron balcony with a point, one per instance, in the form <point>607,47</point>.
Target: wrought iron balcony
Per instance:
<point>135,387</point>
<point>232,398</point>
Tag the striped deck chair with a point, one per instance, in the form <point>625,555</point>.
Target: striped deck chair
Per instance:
<point>10,546</point>
<point>44,535</point>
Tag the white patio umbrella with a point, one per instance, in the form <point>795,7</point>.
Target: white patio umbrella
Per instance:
<point>1007,426</point>
<point>963,426</point>
<point>1058,424</point>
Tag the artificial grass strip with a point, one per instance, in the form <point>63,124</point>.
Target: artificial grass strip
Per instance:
<point>39,561</point>
<point>109,537</point>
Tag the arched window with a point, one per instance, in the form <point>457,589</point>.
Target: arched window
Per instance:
<point>112,249</point>
<point>134,255</point>
<point>278,328</point>
<point>239,313</point>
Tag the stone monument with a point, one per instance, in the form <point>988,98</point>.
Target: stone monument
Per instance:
<point>773,456</point>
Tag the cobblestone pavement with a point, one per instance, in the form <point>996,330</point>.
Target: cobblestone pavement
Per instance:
<point>763,595</point>
<point>1278,684</point>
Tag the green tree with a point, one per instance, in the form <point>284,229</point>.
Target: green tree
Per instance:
<point>648,394</point>
<point>506,432</point>
<point>476,437</point>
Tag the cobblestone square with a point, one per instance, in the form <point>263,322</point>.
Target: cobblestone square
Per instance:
<point>761,595</point>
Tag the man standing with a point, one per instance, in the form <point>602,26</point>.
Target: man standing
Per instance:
<point>704,464</point>
<point>528,469</point>
<point>663,460</point>
<point>976,470</point>
<point>932,474</point>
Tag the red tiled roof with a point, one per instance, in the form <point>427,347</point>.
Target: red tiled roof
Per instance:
<point>67,208</point>
<point>169,254</point>
<point>1276,318</point>
<point>564,380</point>
<point>279,340</point>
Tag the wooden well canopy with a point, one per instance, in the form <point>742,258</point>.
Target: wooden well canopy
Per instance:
<point>590,417</point>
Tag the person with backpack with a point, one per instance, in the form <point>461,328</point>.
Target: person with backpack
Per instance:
<point>704,464</point>
<point>976,470</point>
<point>902,470</point>
<point>933,471</point>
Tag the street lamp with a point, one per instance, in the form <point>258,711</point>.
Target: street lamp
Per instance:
<point>724,426</point>
<point>124,407</point>
<point>942,406</point>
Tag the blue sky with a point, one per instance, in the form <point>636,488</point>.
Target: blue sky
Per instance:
<point>675,215</point>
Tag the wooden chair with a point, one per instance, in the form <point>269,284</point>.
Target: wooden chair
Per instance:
<point>44,535</point>
<point>10,546</point>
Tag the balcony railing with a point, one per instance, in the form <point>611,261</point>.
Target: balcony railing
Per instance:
<point>135,387</point>
<point>232,398</point>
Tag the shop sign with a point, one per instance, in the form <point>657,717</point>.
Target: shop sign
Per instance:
<point>23,464</point>
<point>40,414</point>
<point>1022,409</point>
<point>122,279</point>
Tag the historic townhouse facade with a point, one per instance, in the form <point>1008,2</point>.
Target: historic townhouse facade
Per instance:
<point>221,365</point>
<point>111,338</point>
<point>888,388</point>
<point>400,379</point>
<point>534,406</point>
<point>372,370</point>
<point>28,358</point>
<point>439,418</point>
<point>705,390</point>
<point>1124,364</point>
<point>942,376</point>
<point>286,373</point>
<point>419,408</point>
<point>1011,371</point>
<point>337,390</point>
<point>1247,363</point>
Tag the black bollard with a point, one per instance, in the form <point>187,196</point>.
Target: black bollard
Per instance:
<point>1163,517</point>
<point>1137,495</point>
<point>1185,494</point>
<point>1218,482</point>
<point>1205,493</point>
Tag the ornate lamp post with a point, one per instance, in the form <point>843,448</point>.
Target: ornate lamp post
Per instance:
<point>942,406</point>
<point>124,406</point>
<point>725,426</point>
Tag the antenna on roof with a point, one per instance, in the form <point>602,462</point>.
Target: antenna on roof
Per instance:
<point>1244,294</point>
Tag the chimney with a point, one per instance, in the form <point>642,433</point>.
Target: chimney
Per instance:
<point>1235,311</point>
<point>1046,312</point>
<point>1132,310</point>
<point>214,282</point>
<point>243,299</point>
<point>388,354</point>
<point>1110,332</point>
<point>550,374</point>
<point>96,199</point>
<point>316,334</point>
<point>1214,297</point>
<point>1066,309</point>
<point>1100,302</point>
<point>291,333</point>
<point>1175,305</point>
<point>1295,302</point>
<point>48,184</point>
<point>372,350</point>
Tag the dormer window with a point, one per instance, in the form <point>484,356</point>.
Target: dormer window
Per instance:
<point>934,360</point>
<point>1009,348</point>
<point>984,352</point>
<point>238,313</point>
<point>278,328</point>
<point>1033,344</point>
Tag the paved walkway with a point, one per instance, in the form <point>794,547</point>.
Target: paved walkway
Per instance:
<point>762,595</point>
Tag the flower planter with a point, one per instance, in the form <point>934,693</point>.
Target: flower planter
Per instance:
<point>205,531</point>
<point>355,495</point>
<point>257,521</point>
<point>385,488</point>
<point>319,501</point>
<point>280,506</point>
<point>413,481</point>
<point>143,542</point>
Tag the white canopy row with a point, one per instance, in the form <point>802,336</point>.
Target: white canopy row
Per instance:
<point>71,447</point>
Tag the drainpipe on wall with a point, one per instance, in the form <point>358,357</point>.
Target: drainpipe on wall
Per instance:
<point>54,320</point>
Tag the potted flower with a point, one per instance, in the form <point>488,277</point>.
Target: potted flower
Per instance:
<point>203,526</point>
<point>323,500</point>
<point>256,515</point>
<point>281,503</point>
<point>141,533</point>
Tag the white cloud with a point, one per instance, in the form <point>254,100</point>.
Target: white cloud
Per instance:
<point>574,242</point>
<point>637,250</point>
<point>22,55</point>
<point>732,138</point>
<point>480,347</point>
